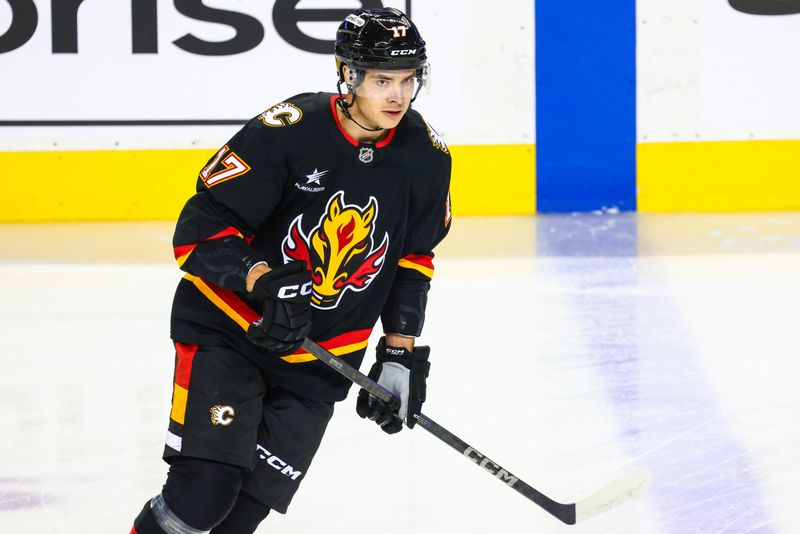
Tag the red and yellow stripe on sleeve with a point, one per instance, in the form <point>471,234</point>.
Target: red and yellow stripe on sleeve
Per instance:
<point>341,345</point>
<point>242,314</point>
<point>418,262</point>
<point>227,301</point>
<point>183,252</point>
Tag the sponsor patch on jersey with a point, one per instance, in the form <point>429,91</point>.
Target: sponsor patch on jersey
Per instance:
<point>340,251</point>
<point>283,114</point>
<point>313,183</point>
<point>436,139</point>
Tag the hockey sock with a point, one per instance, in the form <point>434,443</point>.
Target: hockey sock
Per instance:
<point>200,493</point>
<point>145,523</point>
<point>245,517</point>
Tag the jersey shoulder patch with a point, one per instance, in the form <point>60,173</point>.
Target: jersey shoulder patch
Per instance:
<point>424,133</point>
<point>436,139</point>
<point>281,114</point>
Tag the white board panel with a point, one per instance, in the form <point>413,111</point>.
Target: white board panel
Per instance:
<point>708,72</point>
<point>482,62</point>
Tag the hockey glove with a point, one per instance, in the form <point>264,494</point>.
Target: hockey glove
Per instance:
<point>403,373</point>
<point>286,294</point>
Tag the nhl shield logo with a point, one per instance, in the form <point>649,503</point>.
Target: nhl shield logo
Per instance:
<point>366,154</point>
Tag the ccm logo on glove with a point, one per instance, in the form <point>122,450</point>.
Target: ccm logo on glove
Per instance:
<point>285,292</point>
<point>404,373</point>
<point>288,292</point>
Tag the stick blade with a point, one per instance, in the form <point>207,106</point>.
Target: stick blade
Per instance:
<point>614,494</point>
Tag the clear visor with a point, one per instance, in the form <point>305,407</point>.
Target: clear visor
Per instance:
<point>388,84</point>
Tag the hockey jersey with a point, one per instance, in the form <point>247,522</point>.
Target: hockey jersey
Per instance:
<point>292,185</point>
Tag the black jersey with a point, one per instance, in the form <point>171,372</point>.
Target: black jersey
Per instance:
<point>291,185</point>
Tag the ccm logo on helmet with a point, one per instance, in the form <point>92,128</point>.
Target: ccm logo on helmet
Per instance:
<point>409,52</point>
<point>287,292</point>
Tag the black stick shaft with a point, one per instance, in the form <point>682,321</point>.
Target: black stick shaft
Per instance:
<point>351,373</point>
<point>564,512</point>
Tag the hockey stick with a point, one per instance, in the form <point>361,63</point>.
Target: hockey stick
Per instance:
<point>614,494</point>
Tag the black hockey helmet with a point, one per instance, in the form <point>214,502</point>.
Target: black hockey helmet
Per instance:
<point>379,39</point>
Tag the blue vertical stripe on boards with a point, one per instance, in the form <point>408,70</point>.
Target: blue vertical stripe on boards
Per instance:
<point>585,105</point>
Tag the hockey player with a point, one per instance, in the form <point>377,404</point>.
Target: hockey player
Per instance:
<point>315,220</point>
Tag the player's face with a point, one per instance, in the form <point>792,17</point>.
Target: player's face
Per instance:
<point>384,96</point>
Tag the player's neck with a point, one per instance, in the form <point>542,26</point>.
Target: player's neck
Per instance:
<point>357,132</point>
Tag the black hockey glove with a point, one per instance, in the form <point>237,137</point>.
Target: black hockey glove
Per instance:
<point>286,294</point>
<point>403,373</point>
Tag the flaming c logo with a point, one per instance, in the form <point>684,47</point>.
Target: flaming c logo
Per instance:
<point>340,252</point>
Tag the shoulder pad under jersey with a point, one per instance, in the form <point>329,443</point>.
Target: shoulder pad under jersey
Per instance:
<point>425,135</point>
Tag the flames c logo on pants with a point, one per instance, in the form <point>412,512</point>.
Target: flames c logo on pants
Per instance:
<point>340,251</point>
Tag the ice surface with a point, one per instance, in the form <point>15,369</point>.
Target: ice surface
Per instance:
<point>571,349</point>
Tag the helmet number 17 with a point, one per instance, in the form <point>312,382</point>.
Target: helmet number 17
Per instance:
<point>399,31</point>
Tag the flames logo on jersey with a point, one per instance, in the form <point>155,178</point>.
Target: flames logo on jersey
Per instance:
<point>222,415</point>
<point>283,114</point>
<point>436,139</point>
<point>340,251</point>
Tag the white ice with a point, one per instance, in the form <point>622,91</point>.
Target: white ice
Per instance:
<point>570,349</point>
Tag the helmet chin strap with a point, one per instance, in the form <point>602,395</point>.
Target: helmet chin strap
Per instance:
<point>345,107</point>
